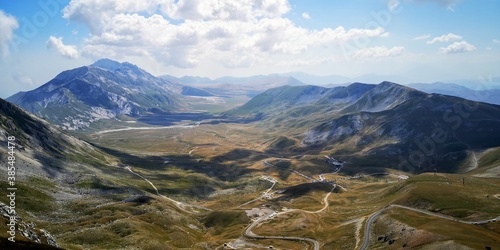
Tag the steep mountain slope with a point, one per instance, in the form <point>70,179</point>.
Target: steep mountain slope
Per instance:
<point>76,98</point>
<point>38,139</point>
<point>73,195</point>
<point>39,154</point>
<point>481,95</point>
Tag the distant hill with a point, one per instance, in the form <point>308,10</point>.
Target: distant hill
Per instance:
<point>78,97</point>
<point>480,95</point>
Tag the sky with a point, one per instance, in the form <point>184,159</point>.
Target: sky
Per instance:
<point>417,40</point>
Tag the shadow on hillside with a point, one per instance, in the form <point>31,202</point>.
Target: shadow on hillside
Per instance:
<point>160,118</point>
<point>53,167</point>
<point>303,189</point>
<point>218,169</point>
<point>22,244</point>
<point>245,155</point>
<point>168,119</point>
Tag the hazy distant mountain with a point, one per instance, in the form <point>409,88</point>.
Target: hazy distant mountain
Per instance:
<point>234,86</point>
<point>480,83</point>
<point>76,98</point>
<point>336,80</point>
<point>291,78</point>
<point>318,80</point>
<point>384,125</point>
<point>485,95</point>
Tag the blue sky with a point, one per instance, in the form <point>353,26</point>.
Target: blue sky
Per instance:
<point>414,40</point>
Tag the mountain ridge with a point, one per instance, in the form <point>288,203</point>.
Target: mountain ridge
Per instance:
<point>380,124</point>
<point>76,98</point>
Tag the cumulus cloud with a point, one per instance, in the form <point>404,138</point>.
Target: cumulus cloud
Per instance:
<point>306,15</point>
<point>378,52</point>
<point>458,47</point>
<point>450,37</point>
<point>182,33</point>
<point>8,24</point>
<point>496,41</point>
<point>422,37</point>
<point>56,43</point>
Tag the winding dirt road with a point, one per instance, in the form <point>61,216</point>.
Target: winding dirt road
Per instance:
<point>376,214</point>
<point>182,206</point>
<point>248,232</point>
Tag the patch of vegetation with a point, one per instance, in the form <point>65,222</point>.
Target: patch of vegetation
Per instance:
<point>455,195</point>
<point>225,218</point>
<point>282,142</point>
<point>468,235</point>
<point>30,198</point>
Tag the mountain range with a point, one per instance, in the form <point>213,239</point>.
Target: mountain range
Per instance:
<point>364,122</point>
<point>107,89</point>
<point>481,95</point>
<point>78,97</point>
<point>383,125</point>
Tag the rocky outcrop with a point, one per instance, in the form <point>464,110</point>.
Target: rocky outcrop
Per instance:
<point>28,230</point>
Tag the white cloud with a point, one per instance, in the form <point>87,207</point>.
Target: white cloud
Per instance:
<point>422,37</point>
<point>183,33</point>
<point>378,52</point>
<point>496,41</point>
<point>306,15</point>
<point>57,44</point>
<point>450,37</point>
<point>458,47</point>
<point>8,24</point>
<point>95,12</point>
<point>22,79</point>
